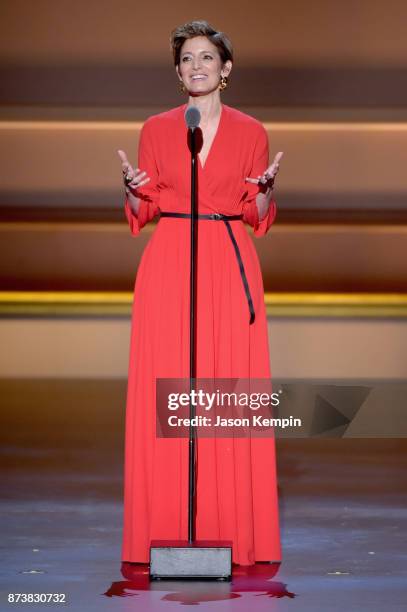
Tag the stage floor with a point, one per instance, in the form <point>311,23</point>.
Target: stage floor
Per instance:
<point>343,515</point>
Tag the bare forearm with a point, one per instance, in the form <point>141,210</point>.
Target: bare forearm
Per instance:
<point>134,201</point>
<point>263,203</point>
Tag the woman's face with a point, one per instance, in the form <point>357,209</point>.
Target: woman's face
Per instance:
<point>200,66</point>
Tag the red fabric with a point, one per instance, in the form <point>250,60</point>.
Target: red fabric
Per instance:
<point>236,478</point>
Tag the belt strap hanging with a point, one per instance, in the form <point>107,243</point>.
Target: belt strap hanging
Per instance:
<point>225,219</point>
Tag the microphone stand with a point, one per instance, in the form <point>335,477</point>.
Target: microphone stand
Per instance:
<point>206,558</point>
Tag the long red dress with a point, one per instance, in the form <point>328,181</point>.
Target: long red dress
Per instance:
<point>236,477</point>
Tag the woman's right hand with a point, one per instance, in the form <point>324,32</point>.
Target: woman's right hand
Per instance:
<point>138,178</point>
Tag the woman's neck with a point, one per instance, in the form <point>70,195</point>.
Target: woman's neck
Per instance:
<point>209,106</point>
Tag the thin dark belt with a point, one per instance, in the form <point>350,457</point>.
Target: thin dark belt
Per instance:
<point>226,219</point>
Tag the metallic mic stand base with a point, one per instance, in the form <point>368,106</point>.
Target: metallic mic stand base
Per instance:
<point>198,559</point>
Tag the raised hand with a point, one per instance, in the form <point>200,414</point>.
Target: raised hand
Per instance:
<point>133,178</point>
<point>266,180</point>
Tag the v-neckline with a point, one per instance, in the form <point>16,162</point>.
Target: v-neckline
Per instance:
<point>215,138</point>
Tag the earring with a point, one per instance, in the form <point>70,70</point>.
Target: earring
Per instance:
<point>223,82</point>
<point>182,88</point>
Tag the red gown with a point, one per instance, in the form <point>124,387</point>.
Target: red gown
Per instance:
<point>236,477</point>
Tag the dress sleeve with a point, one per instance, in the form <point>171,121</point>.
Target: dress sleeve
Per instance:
<point>149,193</point>
<point>250,210</point>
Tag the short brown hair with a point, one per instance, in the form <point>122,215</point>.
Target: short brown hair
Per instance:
<point>200,28</point>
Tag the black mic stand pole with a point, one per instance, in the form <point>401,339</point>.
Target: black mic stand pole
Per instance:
<point>192,336</point>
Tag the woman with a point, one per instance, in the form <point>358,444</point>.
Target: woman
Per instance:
<point>236,497</point>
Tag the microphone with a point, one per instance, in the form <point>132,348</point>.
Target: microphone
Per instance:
<point>192,117</point>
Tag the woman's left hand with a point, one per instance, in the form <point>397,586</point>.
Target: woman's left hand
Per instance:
<point>266,180</point>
